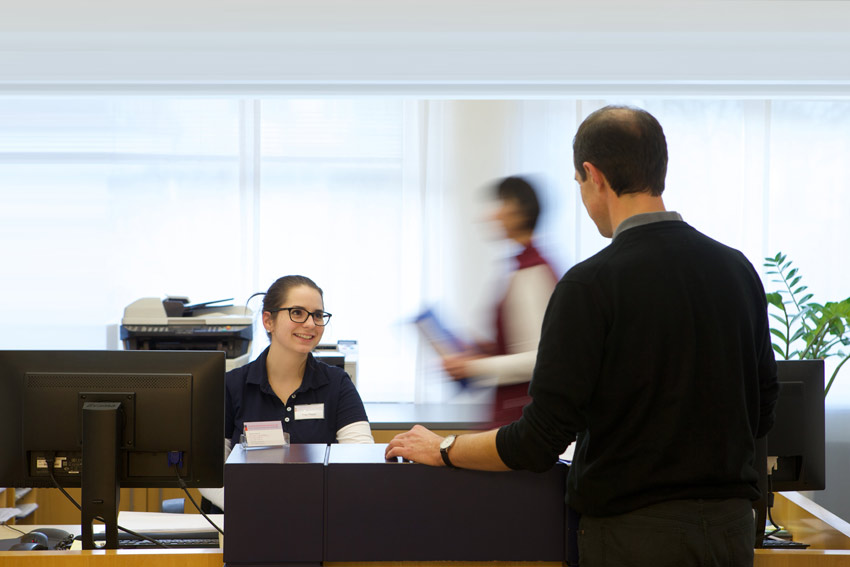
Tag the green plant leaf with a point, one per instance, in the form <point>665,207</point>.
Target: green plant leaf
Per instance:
<point>808,329</point>
<point>777,333</point>
<point>836,326</point>
<point>801,316</point>
<point>798,334</point>
<point>776,300</point>
<point>778,318</point>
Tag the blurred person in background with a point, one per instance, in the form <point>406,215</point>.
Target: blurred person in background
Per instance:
<point>507,363</point>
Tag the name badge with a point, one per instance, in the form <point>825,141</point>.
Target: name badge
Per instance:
<point>310,411</point>
<point>264,434</point>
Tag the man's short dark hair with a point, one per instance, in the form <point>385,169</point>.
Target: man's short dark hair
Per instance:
<point>627,145</point>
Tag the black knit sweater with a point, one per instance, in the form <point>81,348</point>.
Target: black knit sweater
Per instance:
<point>656,354</point>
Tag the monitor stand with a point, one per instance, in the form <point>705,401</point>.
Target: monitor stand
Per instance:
<point>100,487</point>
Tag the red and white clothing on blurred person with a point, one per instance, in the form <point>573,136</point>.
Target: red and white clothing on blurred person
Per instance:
<point>518,320</point>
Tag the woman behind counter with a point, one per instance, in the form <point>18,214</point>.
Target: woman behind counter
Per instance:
<point>315,402</point>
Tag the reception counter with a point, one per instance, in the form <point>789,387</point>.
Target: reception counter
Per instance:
<point>351,505</point>
<point>386,513</point>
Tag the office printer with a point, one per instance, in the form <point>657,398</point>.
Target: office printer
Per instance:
<point>342,354</point>
<point>173,323</point>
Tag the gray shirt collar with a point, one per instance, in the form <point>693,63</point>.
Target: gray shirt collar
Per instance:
<point>646,218</point>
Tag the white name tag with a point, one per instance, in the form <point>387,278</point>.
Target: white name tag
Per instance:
<point>310,411</point>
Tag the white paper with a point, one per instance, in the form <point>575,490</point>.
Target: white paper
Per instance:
<point>26,509</point>
<point>7,514</point>
<point>181,524</point>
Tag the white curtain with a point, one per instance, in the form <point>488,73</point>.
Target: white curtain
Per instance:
<point>334,206</point>
<point>103,201</point>
<point>381,200</point>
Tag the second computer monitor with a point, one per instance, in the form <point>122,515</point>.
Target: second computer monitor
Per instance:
<point>798,435</point>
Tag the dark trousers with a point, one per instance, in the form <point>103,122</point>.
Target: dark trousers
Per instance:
<point>699,533</point>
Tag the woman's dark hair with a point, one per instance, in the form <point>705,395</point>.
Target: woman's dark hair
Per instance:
<point>521,192</point>
<point>279,290</point>
<point>277,293</point>
<point>627,145</point>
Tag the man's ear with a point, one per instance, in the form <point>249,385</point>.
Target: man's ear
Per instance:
<point>593,172</point>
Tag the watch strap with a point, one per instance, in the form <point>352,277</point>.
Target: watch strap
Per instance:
<point>444,451</point>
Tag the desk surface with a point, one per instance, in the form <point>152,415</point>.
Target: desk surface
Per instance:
<point>113,558</point>
<point>432,416</point>
<point>213,558</point>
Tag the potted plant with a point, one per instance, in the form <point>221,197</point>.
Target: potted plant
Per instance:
<point>807,330</point>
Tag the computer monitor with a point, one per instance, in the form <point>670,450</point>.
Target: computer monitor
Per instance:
<point>797,439</point>
<point>104,419</point>
<point>798,435</point>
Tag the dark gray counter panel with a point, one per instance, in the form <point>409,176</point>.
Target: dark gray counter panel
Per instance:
<point>305,504</point>
<point>379,511</point>
<point>274,506</point>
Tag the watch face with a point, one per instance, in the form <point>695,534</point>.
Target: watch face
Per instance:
<point>447,442</point>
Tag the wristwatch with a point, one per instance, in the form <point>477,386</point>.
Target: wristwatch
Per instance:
<point>444,450</point>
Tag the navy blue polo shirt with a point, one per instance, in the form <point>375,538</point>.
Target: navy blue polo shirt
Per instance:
<point>249,397</point>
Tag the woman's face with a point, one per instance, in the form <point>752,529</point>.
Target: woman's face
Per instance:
<point>510,217</point>
<point>303,337</point>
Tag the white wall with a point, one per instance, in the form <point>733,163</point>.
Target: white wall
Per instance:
<point>427,47</point>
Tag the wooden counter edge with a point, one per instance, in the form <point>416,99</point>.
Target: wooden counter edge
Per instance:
<point>122,557</point>
<point>810,523</point>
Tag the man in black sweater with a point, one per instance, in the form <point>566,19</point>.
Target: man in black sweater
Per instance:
<point>655,357</point>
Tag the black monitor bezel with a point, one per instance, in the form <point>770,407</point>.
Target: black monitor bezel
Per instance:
<point>206,406</point>
<point>799,429</point>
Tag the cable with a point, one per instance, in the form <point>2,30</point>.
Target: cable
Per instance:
<point>195,504</point>
<point>98,518</point>
<point>776,527</point>
<point>253,295</point>
<point>57,485</point>
<point>11,527</point>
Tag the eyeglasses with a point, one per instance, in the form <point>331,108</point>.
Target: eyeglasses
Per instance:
<point>300,315</point>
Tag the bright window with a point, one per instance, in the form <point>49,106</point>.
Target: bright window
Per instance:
<point>104,200</point>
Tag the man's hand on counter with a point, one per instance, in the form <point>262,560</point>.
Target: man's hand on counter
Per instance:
<point>419,444</point>
<point>475,451</point>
